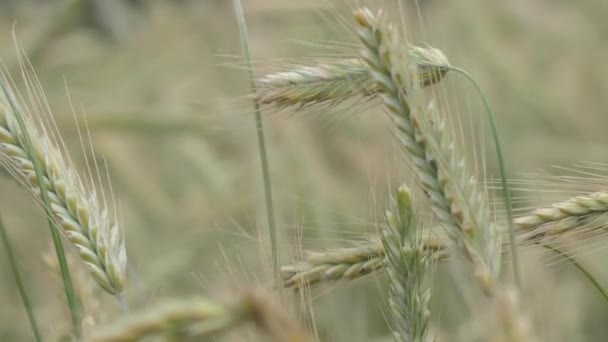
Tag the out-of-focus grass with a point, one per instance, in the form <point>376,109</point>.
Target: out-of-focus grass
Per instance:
<point>179,144</point>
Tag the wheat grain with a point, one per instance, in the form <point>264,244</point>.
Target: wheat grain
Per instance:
<point>76,209</point>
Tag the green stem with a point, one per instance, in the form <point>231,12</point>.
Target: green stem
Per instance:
<point>580,267</point>
<point>63,265</point>
<point>503,177</point>
<point>261,141</point>
<point>19,282</point>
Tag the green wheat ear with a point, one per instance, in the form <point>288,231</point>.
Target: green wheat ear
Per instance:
<point>406,265</point>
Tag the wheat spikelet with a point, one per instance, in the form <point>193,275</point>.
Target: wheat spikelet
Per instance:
<point>334,82</point>
<point>76,209</point>
<point>408,300</point>
<point>199,318</point>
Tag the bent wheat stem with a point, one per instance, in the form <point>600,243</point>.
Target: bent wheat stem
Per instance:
<point>503,178</point>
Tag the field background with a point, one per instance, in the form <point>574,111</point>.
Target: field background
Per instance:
<point>165,107</point>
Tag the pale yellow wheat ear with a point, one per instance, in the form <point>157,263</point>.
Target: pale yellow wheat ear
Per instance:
<point>349,263</point>
<point>75,206</point>
<point>328,83</point>
<point>202,319</point>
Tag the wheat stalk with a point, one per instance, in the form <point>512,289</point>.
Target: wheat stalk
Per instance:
<point>75,208</point>
<point>337,81</point>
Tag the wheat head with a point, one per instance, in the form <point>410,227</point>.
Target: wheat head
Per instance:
<point>337,81</point>
<point>408,299</point>
<point>201,319</point>
<point>75,207</point>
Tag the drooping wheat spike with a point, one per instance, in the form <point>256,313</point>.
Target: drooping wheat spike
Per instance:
<point>334,82</point>
<point>342,264</point>
<point>408,300</point>
<point>201,319</point>
<point>442,176</point>
<point>75,207</point>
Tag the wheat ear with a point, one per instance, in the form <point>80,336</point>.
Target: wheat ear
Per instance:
<point>176,319</point>
<point>335,82</point>
<point>199,318</point>
<point>440,170</point>
<point>408,300</point>
<point>349,263</point>
<point>84,222</point>
<point>566,215</point>
<point>456,201</point>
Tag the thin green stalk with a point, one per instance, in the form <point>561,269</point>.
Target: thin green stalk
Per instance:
<point>503,177</point>
<point>261,141</point>
<point>580,267</point>
<point>63,265</point>
<point>27,305</point>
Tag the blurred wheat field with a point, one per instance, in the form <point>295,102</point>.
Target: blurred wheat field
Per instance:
<point>164,94</point>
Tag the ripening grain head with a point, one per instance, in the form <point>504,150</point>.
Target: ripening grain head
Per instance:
<point>75,206</point>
